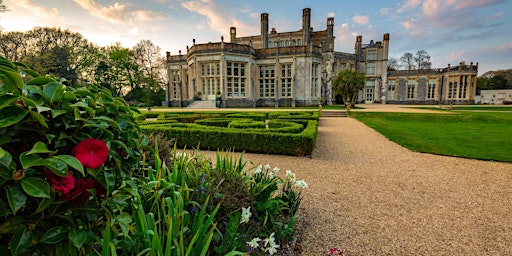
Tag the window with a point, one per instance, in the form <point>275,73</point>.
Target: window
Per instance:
<point>410,88</point>
<point>371,55</point>
<point>452,89</point>
<point>370,68</point>
<point>299,42</point>
<point>286,80</point>
<point>235,76</point>
<point>463,87</point>
<point>391,90</point>
<point>174,84</point>
<point>314,80</point>
<point>267,81</point>
<point>210,78</point>
<point>431,88</point>
<point>369,88</point>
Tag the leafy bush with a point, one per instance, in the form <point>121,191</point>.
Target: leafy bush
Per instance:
<point>63,151</point>
<point>254,116</point>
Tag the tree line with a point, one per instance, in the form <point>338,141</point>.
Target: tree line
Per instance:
<point>136,73</point>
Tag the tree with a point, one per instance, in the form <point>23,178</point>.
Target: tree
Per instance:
<point>407,60</point>
<point>13,45</point>
<point>422,60</point>
<point>493,80</point>
<point>151,65</point>
<point>393,64</point>
<point>347,84</point>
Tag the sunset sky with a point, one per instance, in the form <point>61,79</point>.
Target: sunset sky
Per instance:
<point>449,30</point>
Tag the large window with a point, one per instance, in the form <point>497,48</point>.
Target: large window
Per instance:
<point>452,89</point>
<point>463,87</point>
<point>267,82</point>
<point>411,86</point>
<point>314,80</point>
<point>210,79</point>
<point>174,84</point>
<point>391,90</point>
<point>286,80</point>
<point>235,76</point>
<point>370,68</point>
<point>431,88</point>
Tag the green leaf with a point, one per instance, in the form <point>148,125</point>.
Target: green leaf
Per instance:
<point>35,187</point>
<point>6,158</point>
<point>72,162</point>
<point>21,241</point>
<point>12,80</point>
<point>42,80</point>
<point>28,161</point>
<point>53,91</point>
<point>39,118</point>
<point>42,109</point>
<point>69,96</point>
<point>44,204</point>
<point>40,148</point>
<point>7,99</point>
<point>11,115</point>
<point>124,218</point>
<point>77,237</point>
<point>58,112</point>
<point>16,197</point>
<point>54,235</point>
<point>57,166</point>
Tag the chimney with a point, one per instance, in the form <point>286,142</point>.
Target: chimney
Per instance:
<point>306,25</point>
<point>264,30</point>
<point>232,32</point>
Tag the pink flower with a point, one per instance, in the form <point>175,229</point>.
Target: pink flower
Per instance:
<point>91,153</point>
<point>59,183</point>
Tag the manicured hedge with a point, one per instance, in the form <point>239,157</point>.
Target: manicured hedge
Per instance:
<point>211,138</point>
<point>254,116</point>
<point>294,115</point>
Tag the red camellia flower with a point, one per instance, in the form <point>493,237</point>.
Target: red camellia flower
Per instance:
<point>80,192</point>
<point>91,153</point>
<point>61,184</point>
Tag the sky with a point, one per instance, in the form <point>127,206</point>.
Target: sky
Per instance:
<point>451,31</point>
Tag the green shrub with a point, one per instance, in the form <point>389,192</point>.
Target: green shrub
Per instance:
<point>244,124</point>
<point>258,116</point>
<point>63,152</point>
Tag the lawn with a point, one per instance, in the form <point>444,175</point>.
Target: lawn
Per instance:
<point>481,135</point>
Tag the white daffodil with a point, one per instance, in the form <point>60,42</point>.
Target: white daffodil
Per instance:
<point>259,169</point>
<point>290,176</point>
<point>254,242</point>
<point>267,167</point>
<point>246,214</point>
<point>269,240</point>
<point>275,170</point>
<point>272,248</point>
<point>301,184</point>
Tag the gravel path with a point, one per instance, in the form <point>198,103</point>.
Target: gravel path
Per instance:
<point>370,196</point>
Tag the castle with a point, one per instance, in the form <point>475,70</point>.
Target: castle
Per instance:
<point>295,68</point>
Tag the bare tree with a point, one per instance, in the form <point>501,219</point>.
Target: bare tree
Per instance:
<point>422,60</point>
<point>393,64</point>
<point>407,60</point>
<point>149,59</point>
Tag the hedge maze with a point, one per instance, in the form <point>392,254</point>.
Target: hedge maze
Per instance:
<point>283,133</point>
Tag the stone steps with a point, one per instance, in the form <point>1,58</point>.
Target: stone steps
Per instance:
<point>202,104</point>
<point>334,113</point>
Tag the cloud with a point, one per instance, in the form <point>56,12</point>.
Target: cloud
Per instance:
<point>35,9</point>
<point>363,20</point>
<point>409,4</point>
<point>219,18</point>
<point>119,13</point>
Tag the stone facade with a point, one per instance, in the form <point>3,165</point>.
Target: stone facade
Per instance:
<point>295,68</point>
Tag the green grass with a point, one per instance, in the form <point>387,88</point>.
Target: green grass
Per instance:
<point>481,135</point>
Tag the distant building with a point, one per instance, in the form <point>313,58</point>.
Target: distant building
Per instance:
<point>495,97</point>
<point>294,69</point>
